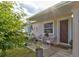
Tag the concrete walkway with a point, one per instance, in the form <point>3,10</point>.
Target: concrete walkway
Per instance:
<point>52,51</point>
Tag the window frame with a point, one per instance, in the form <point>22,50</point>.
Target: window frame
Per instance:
<point>50,27</point>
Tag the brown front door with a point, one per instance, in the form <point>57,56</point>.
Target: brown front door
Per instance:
<point>64,31</point>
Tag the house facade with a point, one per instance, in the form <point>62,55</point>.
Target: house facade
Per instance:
<point>60,21</point>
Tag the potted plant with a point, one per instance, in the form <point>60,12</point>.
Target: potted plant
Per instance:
<point>71,43</point>
<point>39,49</point>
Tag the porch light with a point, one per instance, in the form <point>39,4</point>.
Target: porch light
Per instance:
<point>72,15</point>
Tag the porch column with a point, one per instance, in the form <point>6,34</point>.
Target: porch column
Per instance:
<point>75,50</point>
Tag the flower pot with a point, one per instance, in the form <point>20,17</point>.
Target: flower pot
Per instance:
<point>39,52</point>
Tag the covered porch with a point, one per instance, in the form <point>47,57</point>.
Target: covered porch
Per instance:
<point>51,50</point>
<point>65,19</point>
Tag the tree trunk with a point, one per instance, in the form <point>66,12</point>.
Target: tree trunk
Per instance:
<point>3,53</point>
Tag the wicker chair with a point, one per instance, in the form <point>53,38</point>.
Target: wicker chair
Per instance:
<point>49,39</point>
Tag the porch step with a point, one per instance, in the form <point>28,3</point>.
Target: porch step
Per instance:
<point>64,46</point>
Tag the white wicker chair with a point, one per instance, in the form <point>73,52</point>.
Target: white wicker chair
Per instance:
<point>49,39</point>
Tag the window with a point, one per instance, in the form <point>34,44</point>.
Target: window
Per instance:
<point>48,28</point>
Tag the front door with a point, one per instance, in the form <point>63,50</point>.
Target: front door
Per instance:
<point>64,31</point>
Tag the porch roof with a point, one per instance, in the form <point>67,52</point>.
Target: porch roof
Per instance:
<point>54,12</point>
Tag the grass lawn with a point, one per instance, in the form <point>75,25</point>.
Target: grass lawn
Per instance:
<point>20,52</point>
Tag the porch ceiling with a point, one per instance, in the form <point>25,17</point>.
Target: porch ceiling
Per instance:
<point>55,12</point>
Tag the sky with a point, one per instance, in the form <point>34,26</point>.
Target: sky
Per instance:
<point>34,6</point>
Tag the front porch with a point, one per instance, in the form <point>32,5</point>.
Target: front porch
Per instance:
<point>58,36</point>
<point>52,51</point>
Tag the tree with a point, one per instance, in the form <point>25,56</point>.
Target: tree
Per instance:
<point>11,34</point>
